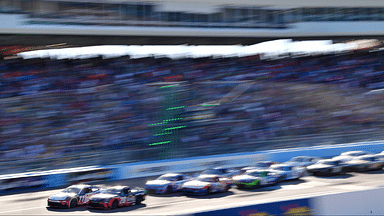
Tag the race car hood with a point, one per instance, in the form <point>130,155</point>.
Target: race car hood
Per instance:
<point>254,168</point>
<point>103,196</point>
<point>245,178</point>
<point>319,166</point>
<point>355,162</point>
<point>195,184</point>
<point>62,196</point>
<point>158,182</point>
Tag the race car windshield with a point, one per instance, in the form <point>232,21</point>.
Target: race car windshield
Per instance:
<point>111,191</point>
<point>212,171</point>
<point>262,164</point>
<point>329,163</point>
<point>256,174</point>
<point>71,190</point>
<point>282,168</point>
<point>205,179</point>
<point>297,159</point>
<point>167,178</point>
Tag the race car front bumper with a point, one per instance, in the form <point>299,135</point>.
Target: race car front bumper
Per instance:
<point>100,205</point>
<point>194,191</point>
<point>58,204</point>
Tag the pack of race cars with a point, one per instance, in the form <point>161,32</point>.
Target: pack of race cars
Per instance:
<point>260,174</point>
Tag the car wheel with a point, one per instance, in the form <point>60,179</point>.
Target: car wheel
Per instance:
<point>138,200</point>
<point>227,188</point>
<point>114,204</point>
<point>73,203</point>
<point>169,190</point>
<point>208,191</point>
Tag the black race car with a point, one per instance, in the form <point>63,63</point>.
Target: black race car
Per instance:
<point>116,196</point>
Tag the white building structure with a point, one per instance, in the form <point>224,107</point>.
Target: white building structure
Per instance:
<point>196,18</point>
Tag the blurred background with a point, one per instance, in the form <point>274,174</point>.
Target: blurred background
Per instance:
<point>64,112</point>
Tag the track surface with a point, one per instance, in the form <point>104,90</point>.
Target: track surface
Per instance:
<point>34,203</point>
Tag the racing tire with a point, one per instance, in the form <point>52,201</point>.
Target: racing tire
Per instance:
<point>227,188</point>
<point>208,191</point>
<point>138,200</point>
<point>114,204</point>
<point>169,190</point>
<point>72,203</point>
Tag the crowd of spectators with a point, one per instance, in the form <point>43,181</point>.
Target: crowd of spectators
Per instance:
<point>58,110</point>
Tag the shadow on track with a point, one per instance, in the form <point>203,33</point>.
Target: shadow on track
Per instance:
<point>212,195</point>
<point>176,194</point>
<point>292,182</point>
<point>372,172</point>
<point>343,176</point>
<point>118,209</point>
<point>78,208</point>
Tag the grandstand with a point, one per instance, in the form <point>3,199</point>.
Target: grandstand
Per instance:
<point>64,113</point>
<point>61,113</point>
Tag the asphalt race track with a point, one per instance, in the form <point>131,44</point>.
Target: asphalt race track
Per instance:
<point>35,203</point>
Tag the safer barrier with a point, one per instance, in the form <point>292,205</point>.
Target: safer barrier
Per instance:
<point>53,178</point>
<point>56,178</point>
<point>144,169</point>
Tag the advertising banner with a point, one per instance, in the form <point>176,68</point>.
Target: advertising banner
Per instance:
<point>288,208</point>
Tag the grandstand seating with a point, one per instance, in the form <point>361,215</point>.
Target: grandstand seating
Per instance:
<point>63,113</point>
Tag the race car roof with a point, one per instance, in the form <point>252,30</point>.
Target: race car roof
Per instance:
<point>171,174</point>
<point>81,186</point>
<point>208,176</point>
<point>118,187</point>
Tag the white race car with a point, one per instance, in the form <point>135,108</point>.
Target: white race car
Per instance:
<point>170,182</point>
<point>72,196</point>
<point>364,163</point>
<point>258,165</point>
<point>222,172</point>
<point>303,161</point>
<point>287,171</point>
<point>206,184</point>
<point>350,155</point>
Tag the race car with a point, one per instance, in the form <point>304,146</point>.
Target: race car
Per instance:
<point>380,155</point>
<point>303,161</point>
<point>222,172</point>
<point>365,163</point>
<point>167,183</point>
<point>287,171</point>
<point>258,165</point>
<point>72,196</point>
<point>206,184</point>
<point>116,196</point>
<point>255,178</point>
<point>350,155</point>
<point>327,167</point>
